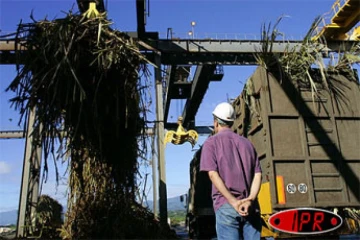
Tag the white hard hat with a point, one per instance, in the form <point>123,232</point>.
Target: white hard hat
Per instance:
<point>224,111</point>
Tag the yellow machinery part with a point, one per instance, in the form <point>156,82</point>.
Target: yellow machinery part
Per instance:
<point>345,15</point>
<point>355,34</point>
<point>181,136</point>
<point>266,230</point>
<point>264,198</point>
<point>92,12</point>
<point>264,195</point>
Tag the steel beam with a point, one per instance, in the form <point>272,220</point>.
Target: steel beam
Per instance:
<point>221,46</point>
<point>154,177</point>
<point>199,86</point>
<point>177,86</point>
<point>187,58</point>
<point>201,130</point>
<point>30,179</point>
<point>7,134</point>
<point>242,46</point>
<point>160,140</point>
<point>232,52</point>
<point>170,74</point>
<point>196,52</point>
<point>9,45</point>
<point>141,17</point>
<point>12,134</point>
<point>145,35</point>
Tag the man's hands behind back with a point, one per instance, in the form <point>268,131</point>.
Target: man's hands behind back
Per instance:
<point>242,206</point>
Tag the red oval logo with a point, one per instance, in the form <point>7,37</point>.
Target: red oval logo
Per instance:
<point>305,221</point>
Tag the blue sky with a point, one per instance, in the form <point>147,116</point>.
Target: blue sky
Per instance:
<point>212,17</point>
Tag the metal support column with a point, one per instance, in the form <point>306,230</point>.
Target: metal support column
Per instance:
<point>29,191</point>
<point>154,178</point>
<point>160,139</point>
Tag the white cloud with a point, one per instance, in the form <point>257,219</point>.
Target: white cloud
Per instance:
<point>4,167</point>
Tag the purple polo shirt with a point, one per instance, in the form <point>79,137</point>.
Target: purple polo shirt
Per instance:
<point>236,161</point>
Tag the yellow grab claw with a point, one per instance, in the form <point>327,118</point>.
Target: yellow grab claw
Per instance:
<point>92,12</point>
<point>180,136</point>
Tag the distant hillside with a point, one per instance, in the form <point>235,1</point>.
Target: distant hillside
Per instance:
<point>174,204</point>
<point>7,218</point>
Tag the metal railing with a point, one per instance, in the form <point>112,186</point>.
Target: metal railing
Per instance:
<point>7,35</point>
<point>327,17</point>
<point>338,4</point>
<point>223,36</point>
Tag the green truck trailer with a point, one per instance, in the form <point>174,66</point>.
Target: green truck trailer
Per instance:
<point>307,136</point>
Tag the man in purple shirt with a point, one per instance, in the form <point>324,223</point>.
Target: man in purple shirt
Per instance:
<point>234,170</point>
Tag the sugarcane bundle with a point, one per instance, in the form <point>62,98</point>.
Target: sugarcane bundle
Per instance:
<point>87,84</point>
<point>296,64</point>
<point>81,76</point>
<point>48,217</point>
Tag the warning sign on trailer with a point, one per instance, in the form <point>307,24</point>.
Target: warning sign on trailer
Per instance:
<point>305,221</point>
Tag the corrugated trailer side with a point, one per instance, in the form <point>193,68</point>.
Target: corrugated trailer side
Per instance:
<point>309,145</point>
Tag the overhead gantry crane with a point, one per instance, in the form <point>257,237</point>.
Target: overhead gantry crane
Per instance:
<point>336,24</point>
<point>207,55</point>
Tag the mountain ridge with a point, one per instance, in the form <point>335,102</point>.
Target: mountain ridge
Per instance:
<point>173,204</point>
